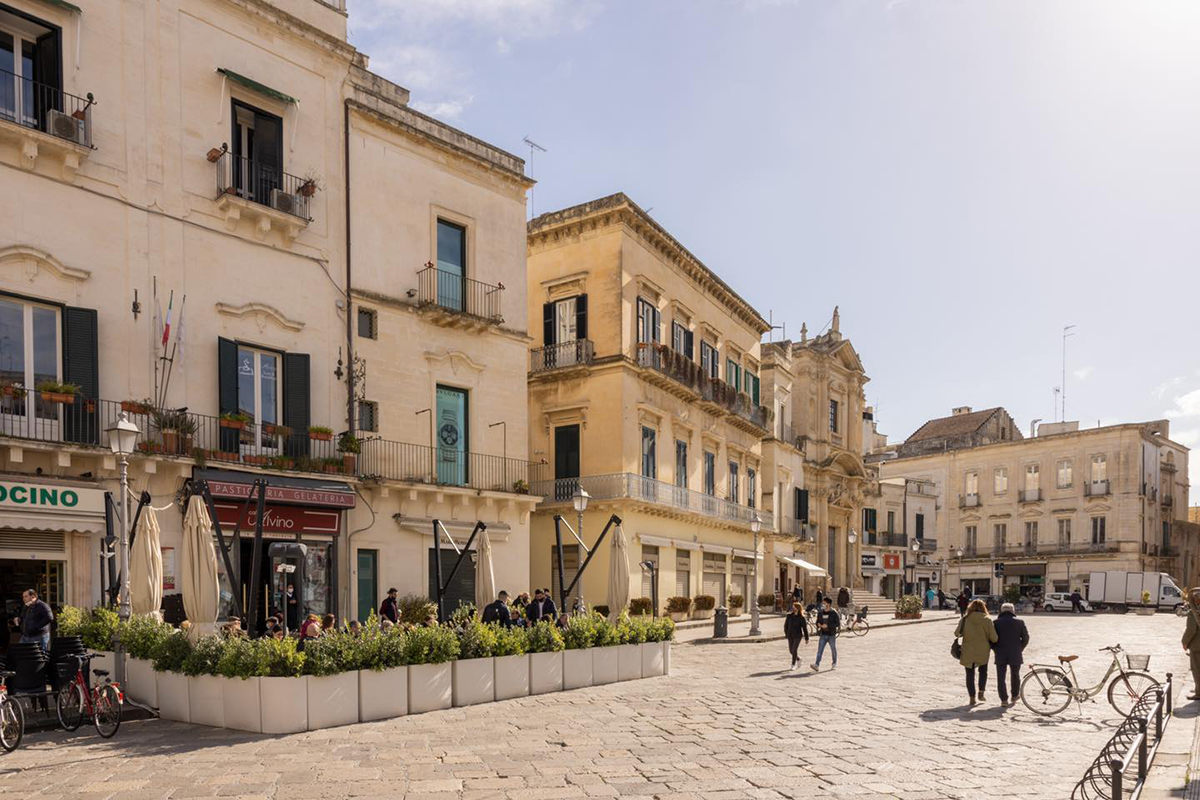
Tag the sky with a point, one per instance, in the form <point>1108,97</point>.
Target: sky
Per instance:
<point>963,178</point>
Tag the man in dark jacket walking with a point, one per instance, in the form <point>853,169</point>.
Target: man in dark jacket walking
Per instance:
<point>388,609</point>
<point>843,598</point>
<point>1076,602</point>
<point>1011,639</point>
<point>35,620</point>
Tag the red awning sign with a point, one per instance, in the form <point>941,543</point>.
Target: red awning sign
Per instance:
<point>287,520</point>
<point>285,494</point>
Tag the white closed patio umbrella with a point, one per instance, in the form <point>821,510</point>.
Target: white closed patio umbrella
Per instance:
<point>145,567</point>
<point>618,574</point>
<point>485,577</point>
<point>201,591</point>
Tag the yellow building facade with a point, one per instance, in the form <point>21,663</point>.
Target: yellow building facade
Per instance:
<point>644,391</point>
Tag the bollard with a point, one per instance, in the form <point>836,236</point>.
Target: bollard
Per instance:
<point>721,623</point>
<point>1117,788</point>
<point>1141,751</point>
<point>1158,709</point>
<point>1170,697</point>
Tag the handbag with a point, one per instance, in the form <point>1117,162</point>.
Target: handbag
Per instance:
<point>956,649</point>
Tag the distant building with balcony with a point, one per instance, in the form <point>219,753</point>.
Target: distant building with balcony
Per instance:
<point>899,529</point>
<point>1053,507</point>
<point>644,391</point>
<point>353,268</point>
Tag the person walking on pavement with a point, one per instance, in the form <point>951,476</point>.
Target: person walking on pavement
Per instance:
<point>941,600</point>
<point>828,623</point>
<point>963,599</point>
<point>1011,639</point>
<point>818,599</point>
<point>389,609</point>
<point>795,628</point>
<point>1076,602</point>
<point>1191,641</point>
<point>798,595</point>
<point>978,634</point>
<point>843,598</point>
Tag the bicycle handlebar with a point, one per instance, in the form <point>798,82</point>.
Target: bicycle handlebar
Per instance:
<point>1116,648</point>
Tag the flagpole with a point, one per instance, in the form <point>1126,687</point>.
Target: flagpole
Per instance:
<point>170,368</point>
<point>154,333</point>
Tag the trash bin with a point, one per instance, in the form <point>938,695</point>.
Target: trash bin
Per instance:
<point>721,623</point>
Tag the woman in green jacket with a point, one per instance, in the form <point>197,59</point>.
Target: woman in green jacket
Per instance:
<point>978,634</point>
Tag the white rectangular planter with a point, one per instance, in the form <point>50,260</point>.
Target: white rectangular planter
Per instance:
<point>332,700</point>
<point>545,672</point>
<point>474,681</point>
<point>382,694</point>
<point>283,704</point>
<point>629,662</point>
<point>652,659</point>
<point>605,665</point>
<point>172,691</point>
<point>512,676</point>
<point>242,704</point>
<point>430,687</point>
<point>206,704</point>
<point>666,646</point>
<point>577,668</point>
<point>140,681</point>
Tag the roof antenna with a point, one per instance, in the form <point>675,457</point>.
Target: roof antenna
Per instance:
<point>532,146</point>
<point>774,327</point>
<point>1066,329</point>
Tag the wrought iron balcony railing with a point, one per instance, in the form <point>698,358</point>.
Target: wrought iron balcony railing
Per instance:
<point>418,463</point>
<point>688,374</point>
<point>796,528</point>
<point>263,184</point>
<point>627,485</point>
<point>892,539</point>
<point>927,545</point>
<point>1096,489</point>
<point>45,108</point>
<point>968,500</point>
<point>459,294</point>
<point>565,354</point>
<point>1031,495</point>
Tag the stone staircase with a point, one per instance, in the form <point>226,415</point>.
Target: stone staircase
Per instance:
<point>878,607</point>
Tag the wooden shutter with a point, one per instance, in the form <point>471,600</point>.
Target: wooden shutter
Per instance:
<point>802,514</point>
<point>548,324</point>
<point>47,70</point>
<point>297,405</point>
<point>227,390</point>
<point>655,334</point>
<point>81,366</point>
<point>689,344</point>
<point>581,331</point>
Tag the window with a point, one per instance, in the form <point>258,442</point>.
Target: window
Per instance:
<point>920,526</point>
<point>1000,480</point>
<point>257,153</point>
<point>999,535</point>
<point>709,361</point>
<point>751,486</point>
<point>733,373</point>
<point>801,503</point>
<point>564,321</point>
<point>869,520</point>
<point>1098,529</point>
<point>681,475</point>
<point>682,340</point>
<point>971,483</point>
<point>1064,531</point>
<point>29,354</point>
<point>750,384</point>
<point>451,265</point>
<point>1099,469</point>
<point>30,52</point>
<point>258,390</point>
<point>733,481</point>
<point>368,321</point>
<point>647,323</point>
<point>891,522</point>
<point>683,573</point>
<point>453,434</point>
<point>368,415</point>
<point>833,416</point>
<point>1033,477</point>
<point>649,457</point>
<point>1064,474</point>
<point>710,473</point>
<point>1031,534</point>
<point>971,538</point>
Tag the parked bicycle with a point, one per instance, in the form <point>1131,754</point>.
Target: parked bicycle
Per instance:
<point>102,703</point>
<point>856,624</point>
<point>1048,690</point>
<point>12,717</point>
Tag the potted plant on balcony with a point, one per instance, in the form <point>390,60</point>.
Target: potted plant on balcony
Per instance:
<point>235,420</point>
<point>703,605</point>
<point>282,462</point>
<point>332,466</point>
<point>678,607</point>
<point>520,486</point>
<point>137,406</point>
<point>349,446</point>
<point>271,429</point>
<point>766,602</point>
<point>57,392</point>
<point>177,428</point>
<point>14,390</point>
<point>320,433</point>
<point>310,184</point>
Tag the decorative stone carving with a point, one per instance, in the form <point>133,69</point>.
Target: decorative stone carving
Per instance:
<point>262,314</point>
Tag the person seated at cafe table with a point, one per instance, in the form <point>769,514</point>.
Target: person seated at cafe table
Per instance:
<point>497,610</point>
<point>541,607</point>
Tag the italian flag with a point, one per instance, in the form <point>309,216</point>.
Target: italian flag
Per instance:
<point>166,331</point>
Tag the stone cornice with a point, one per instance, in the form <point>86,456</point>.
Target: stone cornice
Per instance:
<point>277,16</point>
<point>618,209</point>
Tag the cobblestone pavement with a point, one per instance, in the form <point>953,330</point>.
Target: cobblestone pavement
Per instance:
<point>890,722</point>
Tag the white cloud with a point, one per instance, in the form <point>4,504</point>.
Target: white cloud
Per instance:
<point>1187,438</point>
<point>1187,405</point>
<point>503,47</point>
<point>417,67</point>
<point>1084,374</point>
<point>1161,390</point>
<point>514,18</point>
<point>445,110</point>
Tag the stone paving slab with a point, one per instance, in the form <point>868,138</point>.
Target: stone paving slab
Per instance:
<point>730,722</point>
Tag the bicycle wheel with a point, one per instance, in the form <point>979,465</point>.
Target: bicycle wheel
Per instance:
<point>1181,610</point>
<point>860,627</point>
<point>12,724</point>
<point>1126,689</point>
<point>107,714</point>
<point>1046,691</point>
<point>70,706</point>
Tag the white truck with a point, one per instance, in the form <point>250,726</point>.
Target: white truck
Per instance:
<point>1120,590</point>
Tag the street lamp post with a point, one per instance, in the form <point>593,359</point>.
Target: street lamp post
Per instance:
<point>580,500</point>
<point>755,527</point>
<point>916,548</point>
<point>851,538</point>
<point>959,553</point>
<point>122,438</point>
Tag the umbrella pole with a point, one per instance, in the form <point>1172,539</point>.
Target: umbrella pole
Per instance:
<point>437,570</point>
<point>256,558</point>
<point>479,526</point>
<point>212,513</point>
<point>558,553</point>
<point>613,520</point>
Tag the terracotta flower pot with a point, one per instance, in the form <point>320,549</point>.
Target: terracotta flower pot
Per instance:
<point>319,436</point>
<point>59,397</point>
<point>233,424</point>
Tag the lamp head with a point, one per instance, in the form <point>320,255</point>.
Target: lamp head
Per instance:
<point>647,565</point>
<point>852,537</point>
<point>959,552</point>
<point>916,546</point>
<point>122,437</point>
<point>580,499</point>
<point>755,524</point>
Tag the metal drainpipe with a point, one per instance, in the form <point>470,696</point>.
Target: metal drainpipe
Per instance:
<point>350,560</point>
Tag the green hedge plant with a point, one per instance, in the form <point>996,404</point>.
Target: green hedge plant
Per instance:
<point>414,609</point>
<point>279,658</point>
<point>908,604</point>
<point>171,653</point>
<point>204,657</point>
<point>704,602</point>
<point>580,632</point>
<point>141,636</point>
<point>510,641</point>
<point>604,634</point>
<point>545,638</point>
<point>241,658</point>
<point>333,652</point>
<point>641,605</point>
<point>70,621</point>
<point>476,640</point>
<point>433,645</point>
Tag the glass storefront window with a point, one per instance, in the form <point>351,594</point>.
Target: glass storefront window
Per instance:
<point>318,571</point>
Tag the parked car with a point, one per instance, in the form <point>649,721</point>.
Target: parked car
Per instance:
<point>1061,601</point>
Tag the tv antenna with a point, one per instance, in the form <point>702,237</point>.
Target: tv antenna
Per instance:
<point>533,146</point>
<point>1066,332</point>
<point>774,327</point>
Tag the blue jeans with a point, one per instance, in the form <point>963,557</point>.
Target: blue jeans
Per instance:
<point>43,640</point>
<point>826,640</point>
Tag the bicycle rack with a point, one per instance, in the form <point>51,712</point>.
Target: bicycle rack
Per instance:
<point>1106,779</point>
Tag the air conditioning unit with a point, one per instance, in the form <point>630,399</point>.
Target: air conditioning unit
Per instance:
<point>64,126</point>
<point>289,202</point>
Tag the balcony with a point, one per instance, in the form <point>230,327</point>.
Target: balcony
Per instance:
<point>458,301</point>
<point>974,551</point>
<point>39,120</point>
<point>892,539</point>
<point>382,459</point>
<point>1168,500</point>
<point>968,500</point>
<point>267,196</point>
<point>685,378</point>
<point>1096,489</point>
<point>628,486</point>
<point>578,353</point>
<point>797,529</point>
<point>927,545</point>
<point>1031,495</point>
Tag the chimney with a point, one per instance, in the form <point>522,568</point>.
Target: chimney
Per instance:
<point>958,412</point>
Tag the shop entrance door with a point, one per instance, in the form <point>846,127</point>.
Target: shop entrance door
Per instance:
<point>17,575</point>
<point>368,582</point>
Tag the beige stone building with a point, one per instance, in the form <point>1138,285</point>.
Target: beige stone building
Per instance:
<point>644,390</point>
<point>1051,507</point>
<point>347,263</point>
